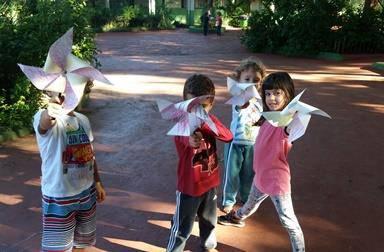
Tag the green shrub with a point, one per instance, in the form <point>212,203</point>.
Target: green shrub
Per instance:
<point>165,18</point>
<point>26,33</point>
<point>296,27</point>
<point>138,17</point>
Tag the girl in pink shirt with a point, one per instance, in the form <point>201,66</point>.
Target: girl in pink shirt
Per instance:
<point>270,163</point>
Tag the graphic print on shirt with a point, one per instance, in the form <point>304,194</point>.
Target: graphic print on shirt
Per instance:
<point>205,160</point>
<point>78,154</point>
<point>251,119</point>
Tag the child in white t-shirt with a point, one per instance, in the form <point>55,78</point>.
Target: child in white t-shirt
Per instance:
<point>70,180</point>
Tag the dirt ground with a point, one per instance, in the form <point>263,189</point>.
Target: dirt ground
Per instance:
<point>337,167</point>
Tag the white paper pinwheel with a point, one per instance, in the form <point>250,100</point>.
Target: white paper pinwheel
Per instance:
<point>63,72</point>
<point>188,115</point>
<point>296,114</point>
<point>241,92</point>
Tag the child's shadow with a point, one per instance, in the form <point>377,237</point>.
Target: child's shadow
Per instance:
<point>119,230</point>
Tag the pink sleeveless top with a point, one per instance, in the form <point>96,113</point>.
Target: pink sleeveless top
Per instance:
<point>272,175</point>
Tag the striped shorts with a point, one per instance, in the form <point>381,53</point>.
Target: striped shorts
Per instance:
<point>69,221</point>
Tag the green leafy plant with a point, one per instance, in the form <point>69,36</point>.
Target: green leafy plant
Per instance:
<point>27,29</point>
<point>305,28</point>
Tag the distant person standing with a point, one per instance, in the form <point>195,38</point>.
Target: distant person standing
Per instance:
<point>205,22</point>
<point>219,22</point>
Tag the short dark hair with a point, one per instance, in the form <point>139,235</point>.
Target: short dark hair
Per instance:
<point>198,85</point>
<point>278,80</point>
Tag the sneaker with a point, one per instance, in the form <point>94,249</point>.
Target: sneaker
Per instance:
<point>226,209</point>
<point>231,220</point>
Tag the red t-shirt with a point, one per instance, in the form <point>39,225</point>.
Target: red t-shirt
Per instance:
<point>197,171</point>
<point>219,21</point>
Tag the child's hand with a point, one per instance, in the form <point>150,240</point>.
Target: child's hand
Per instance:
<point>100,196</point>
<point>195,139</point>
<point>54,110</point>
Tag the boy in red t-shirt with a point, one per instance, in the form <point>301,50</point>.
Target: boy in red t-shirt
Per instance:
<point>197,173</point>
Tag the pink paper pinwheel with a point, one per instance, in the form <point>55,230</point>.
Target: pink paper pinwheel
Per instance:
<point>188,115</point>
<point>63,72</point>
<point>241,92</point>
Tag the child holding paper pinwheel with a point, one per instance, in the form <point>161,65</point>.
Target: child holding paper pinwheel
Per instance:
<point>198,171</point>
<point>239,153</point>
<point>70,182</point>
<point>285,120</point>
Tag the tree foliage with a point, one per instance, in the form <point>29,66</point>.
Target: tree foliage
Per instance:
<point>306,27</point>
<point>27,29</point>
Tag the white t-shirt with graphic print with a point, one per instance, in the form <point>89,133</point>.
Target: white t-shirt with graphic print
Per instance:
<point>67,155</point>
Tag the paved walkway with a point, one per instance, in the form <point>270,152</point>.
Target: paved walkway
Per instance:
<point>337,173</point>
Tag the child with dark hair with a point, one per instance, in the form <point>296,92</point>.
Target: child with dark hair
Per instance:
<point>270,163</point>
<point>197,173</point>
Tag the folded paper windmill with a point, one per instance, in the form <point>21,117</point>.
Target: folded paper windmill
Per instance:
<point>296,114</point>
<point>63,72</point>
<point>241,92</point>
<point>188,115</point>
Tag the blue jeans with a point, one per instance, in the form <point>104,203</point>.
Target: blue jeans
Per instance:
<point>238,173</point>
<point>284,207</point>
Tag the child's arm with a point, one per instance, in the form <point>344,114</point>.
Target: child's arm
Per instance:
<point>99,186</point>
<point>224,134</point>
<point>46,122</point>
<point>47,119</point>
<point>193,141</point>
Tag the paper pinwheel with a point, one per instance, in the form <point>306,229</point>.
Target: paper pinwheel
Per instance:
<point>188,115</point>
<point>296,114</point>
<point>63,72</point>
<point>241,92</point>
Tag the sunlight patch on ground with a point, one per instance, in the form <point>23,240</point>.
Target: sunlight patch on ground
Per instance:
<point>321,224</point>
<point>151,85</point>
<point>137,201</point>
<point>35,209</point>
<point>227,233</point>
<point>379,108</point>
<point>320,77</point>
<point>266,237</point>
<point>4,155</point>
<point>33,182</point>
<point>11,199</point>
<point>7,178</point>
<point>143,84</point>
<point>147,60</point>
<point>139,245</point>
<point>167,224</point>
<point>105,147</point>
<point>353,86</point>
<point>108,224</point>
